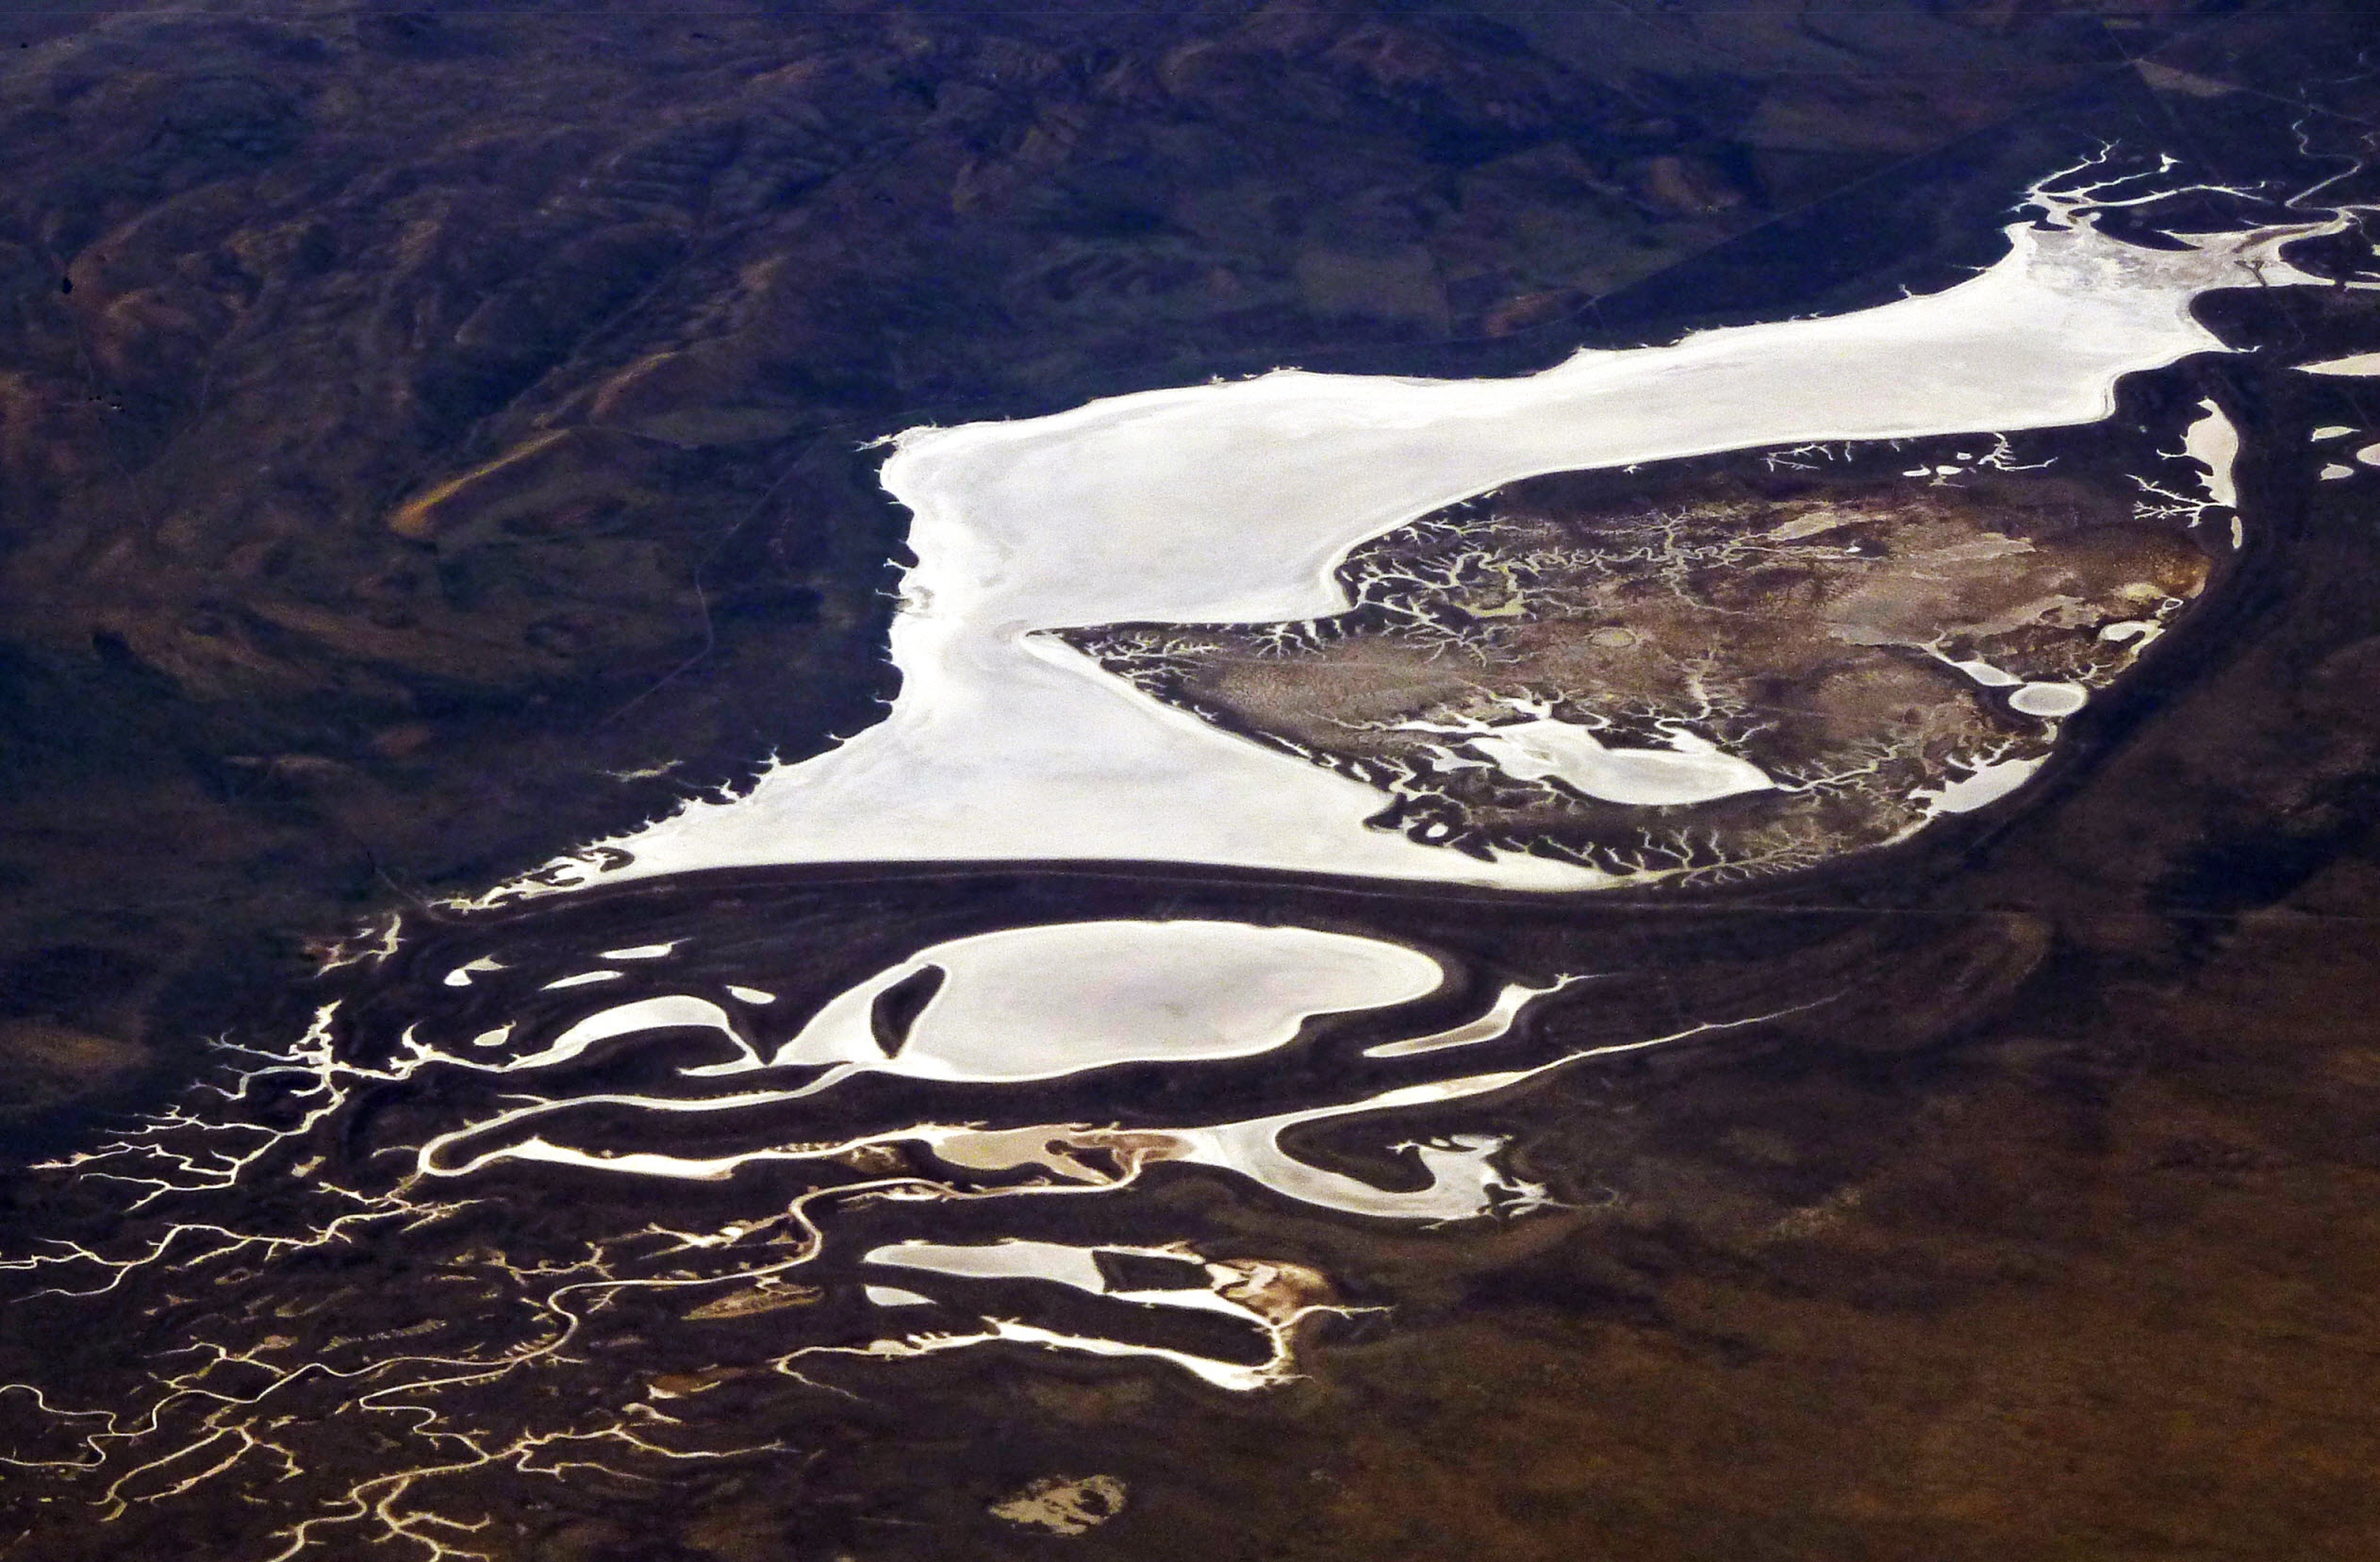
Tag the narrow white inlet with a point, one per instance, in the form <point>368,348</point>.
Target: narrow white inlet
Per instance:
<point>1983,673</point>
<point>585,978</point>
<point>669,1011</point>
<point>2353,364</point>
<point>1496,1023</point>
<point>1010,1258</point>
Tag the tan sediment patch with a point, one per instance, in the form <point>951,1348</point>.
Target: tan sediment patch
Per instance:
<point>755,1299</point>
<point>552,483</point>
<point>1750,672</point>
<point>77,1058</point>
<point>1064,1507</point>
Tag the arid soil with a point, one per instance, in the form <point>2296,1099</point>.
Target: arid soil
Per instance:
<point>1856,629</point>
<point>428,435</point>
<point>431,438</point>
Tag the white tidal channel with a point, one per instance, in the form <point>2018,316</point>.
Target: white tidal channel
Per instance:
<point>1235,501</point>
<point>1216,503</point>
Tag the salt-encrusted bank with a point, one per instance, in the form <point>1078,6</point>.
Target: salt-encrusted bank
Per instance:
<point>1237,501</point>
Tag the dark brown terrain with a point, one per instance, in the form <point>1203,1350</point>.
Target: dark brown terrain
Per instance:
<point>399,403</point>
<point>431,437</point>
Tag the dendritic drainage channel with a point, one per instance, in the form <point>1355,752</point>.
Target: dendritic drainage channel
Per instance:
<point>539,1213</point>
<point>523,1205</point>
<point>1317,521</point>
<point>1722,667</point>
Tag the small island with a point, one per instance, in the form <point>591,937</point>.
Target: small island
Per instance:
<point>1719,667</point>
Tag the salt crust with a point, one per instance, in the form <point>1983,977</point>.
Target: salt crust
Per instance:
<point>1235,501</point>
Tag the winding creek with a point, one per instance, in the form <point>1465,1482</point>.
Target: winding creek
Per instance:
<point>770,1122</point>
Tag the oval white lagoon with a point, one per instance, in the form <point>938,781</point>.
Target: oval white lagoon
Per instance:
<point>1034,1003</point>
<point>2050,700</point>
<point>1691,769</point>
